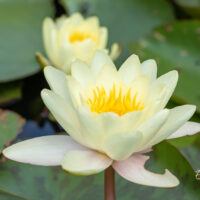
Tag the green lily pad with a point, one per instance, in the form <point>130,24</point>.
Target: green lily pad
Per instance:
<point>127,20</point>
<point>35,182</point>
<point>176,46</point>
<point>9,91</point>
<point>191,7</point>
<point>21,36</point>
<point>192,153</point>
<point>10,125</point>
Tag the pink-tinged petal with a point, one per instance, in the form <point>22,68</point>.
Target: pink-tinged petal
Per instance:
<point>145,151</point>
<point>133,170</point>
<point>45,150</point>
<point>85,162</point>
<point>189,128</point>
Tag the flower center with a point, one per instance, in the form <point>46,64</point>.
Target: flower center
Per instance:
<point>78,36</point>
<point>116,101</point>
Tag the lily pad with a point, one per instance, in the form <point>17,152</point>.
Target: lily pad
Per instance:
<point>176,46</point>
<point>34,182</point>
<point>10,125</point>
<point>127,20</point>
<point>21,36</point>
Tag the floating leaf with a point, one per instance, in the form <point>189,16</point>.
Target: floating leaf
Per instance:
<point>176,46</point>
<point>127,20</point>
<point>21,36</point>
<point>10,125</point>
<point>35,182</point>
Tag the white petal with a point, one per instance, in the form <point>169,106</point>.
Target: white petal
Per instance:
<point>85,162</point>
<point>115,51</point>
<point>45,150</point>
<point>99,60</point>
<point>93,21</point>
<point>90,128</point>
<point>132,119</point>
<point>66,55</point>
<point>121,146</point>
<point>151,126</point>
<point>76,18</point>
<point>170,81</point>
<point>189,128</point>
<point>49,38</point>
<point>111,123</point>
<point>177,117</point>
<point>81,72</point>
<point>130,69</point>
<point>75,89</point>
<point>133,170</point>
<point>84,50</point>
<point>103,37</point>
<point>63,112</point>
<point>57,81</point>
<point>149,68</point>
<point>107,77</point>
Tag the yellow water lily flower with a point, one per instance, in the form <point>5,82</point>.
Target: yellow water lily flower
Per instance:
<point>113,117</point>
<point>74,37</point>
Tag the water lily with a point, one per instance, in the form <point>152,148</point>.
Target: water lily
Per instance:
<point>74,37</point>
<point>113,117</point>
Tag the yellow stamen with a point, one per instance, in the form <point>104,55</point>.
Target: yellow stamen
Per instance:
<point>79,36</point>
<point>116,101</point>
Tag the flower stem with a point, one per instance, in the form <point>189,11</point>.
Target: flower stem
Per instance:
<point>109,184</point>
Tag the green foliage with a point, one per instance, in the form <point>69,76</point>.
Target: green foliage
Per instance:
<point>176,46</point>
<point>10,125</point>
<point>21,36</point>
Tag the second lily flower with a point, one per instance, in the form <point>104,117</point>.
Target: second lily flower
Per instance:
<point>75,37</point>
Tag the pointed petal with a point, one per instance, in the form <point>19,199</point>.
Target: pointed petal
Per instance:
<point>151,126</point>
<point>149,68</point>
<point>85,162</point>
<point>99,60</point>
<point>170,80</point>
<point>90,128</point>
<point>45,150</point>
<point>177,117</point>
<point>133,170</point>
<point>115,51</point>
<point>111,123</point>
<point>189,128</point>
<point>103,34</point>
<point>57,81</point>
<point>130,69</point>
<point>63,112</point>
<point>49,37</point>
<point>121,146</point>
<point>81,72</point>
<point>107,77</point>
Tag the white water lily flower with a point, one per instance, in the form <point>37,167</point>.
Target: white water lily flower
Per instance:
<point>74,37</point>
<point>113,118</point>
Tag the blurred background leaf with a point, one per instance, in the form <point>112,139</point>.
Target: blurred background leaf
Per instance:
<point>10,125</point>
<point>191,7</point>
<point>176,46</point>
<point>127,20</point>
<point>21,37</point>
